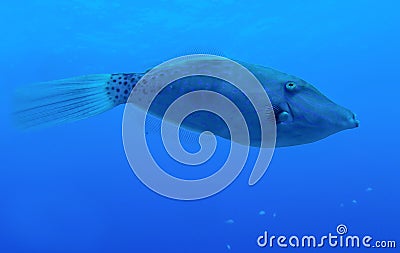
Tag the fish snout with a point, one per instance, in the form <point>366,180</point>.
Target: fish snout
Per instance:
<point>355,120</point>
<point>345,118</point>
<point>352,120</point>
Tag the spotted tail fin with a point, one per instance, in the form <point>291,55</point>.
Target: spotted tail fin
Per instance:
<point>61,101</point>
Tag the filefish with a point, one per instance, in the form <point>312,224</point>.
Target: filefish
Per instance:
<point>302,113</point>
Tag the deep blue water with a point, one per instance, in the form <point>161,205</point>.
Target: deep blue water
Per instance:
<point>70,188</point>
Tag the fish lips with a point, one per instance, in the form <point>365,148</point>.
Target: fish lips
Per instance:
<point>354,121</point>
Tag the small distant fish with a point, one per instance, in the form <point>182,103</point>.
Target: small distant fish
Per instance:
<point>274,215</point>
<point>369,189</point>
<point>230,221</point>
<point>354,201</point>
<point>262,212</point>
<point>228,247</point>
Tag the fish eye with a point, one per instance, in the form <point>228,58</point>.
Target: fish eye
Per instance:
<point>290,86</point>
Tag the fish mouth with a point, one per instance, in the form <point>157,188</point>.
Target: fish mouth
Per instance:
<point>354,120</point>
<point>351,121</point>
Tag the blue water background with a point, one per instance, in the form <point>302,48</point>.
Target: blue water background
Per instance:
<point>70,188</point>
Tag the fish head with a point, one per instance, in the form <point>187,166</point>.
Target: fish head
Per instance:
<point>303,114</point>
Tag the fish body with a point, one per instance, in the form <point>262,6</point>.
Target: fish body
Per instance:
<point>302,113</point>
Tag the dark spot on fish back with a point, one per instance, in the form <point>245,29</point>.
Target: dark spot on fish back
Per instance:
<point>124,86</point>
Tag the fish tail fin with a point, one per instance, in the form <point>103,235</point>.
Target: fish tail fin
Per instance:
<point>61,101</point>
